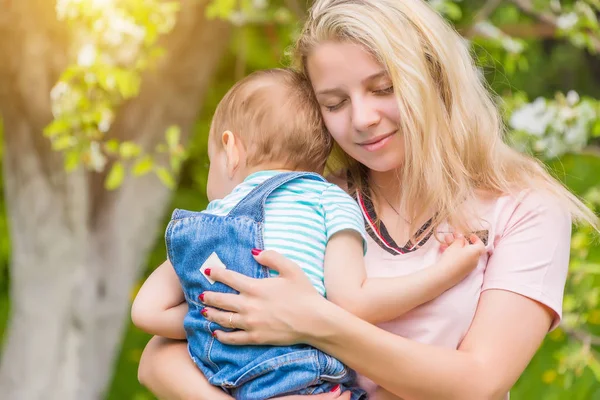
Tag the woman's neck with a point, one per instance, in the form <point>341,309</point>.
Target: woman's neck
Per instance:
<point>386,186</point>
<point>386,190</point>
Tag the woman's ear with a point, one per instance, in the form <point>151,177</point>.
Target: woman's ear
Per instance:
<point>232,151</point>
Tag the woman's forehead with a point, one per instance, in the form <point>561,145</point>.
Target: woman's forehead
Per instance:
<point>338,62</point>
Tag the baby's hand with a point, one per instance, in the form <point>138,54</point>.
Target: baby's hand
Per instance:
<point>461,256</point>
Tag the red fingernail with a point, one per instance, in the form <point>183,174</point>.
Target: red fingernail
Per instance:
<point>204,312</point>
<point>201,297</point>
<point>207,271</point>
<point>335,389</point>
<point>214,334</point>
<point>256,252</point>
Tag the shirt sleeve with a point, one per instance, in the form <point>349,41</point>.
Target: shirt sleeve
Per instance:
<point>531,256</point>
<point>341,212</point>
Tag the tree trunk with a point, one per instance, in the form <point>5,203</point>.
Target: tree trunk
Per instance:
<point>76,249</point>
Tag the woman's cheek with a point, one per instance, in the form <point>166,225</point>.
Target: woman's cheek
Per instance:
<point>338,128</point>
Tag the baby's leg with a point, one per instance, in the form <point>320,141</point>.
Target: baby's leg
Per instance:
<point>304,372</point>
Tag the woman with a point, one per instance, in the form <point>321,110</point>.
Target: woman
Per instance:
<point>423,152</point>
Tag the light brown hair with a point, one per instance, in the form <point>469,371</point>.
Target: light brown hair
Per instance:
<point>276,117</point>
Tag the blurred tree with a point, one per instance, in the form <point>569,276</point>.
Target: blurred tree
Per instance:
<point>77,248</point>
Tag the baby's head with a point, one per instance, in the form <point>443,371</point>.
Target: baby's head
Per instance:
<point>268,120</point>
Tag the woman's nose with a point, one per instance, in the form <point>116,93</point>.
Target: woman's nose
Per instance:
<point>364,115</point>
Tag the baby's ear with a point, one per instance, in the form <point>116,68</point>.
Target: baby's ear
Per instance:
<point>231,146</point>
<point>227,139</point>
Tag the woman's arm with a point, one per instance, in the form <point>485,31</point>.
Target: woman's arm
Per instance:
<point>507,330</point>
<point>159,307</point>
<point>505,334</point>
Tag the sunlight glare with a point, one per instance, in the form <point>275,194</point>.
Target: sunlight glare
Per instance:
<point>65,7</point>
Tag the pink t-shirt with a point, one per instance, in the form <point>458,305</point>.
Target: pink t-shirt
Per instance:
<point>528,253</point>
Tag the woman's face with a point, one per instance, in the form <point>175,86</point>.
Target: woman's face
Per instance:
<point>358,104</point>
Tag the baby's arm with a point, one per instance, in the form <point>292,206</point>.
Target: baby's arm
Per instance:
<point>159,307</point>
<point>382,299</point>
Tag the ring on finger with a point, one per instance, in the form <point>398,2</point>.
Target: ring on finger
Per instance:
<point>231,320</point>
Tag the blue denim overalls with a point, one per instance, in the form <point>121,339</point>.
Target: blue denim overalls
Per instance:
<point>198,240</point>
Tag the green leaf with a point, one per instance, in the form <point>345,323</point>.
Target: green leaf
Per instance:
<point>591,268</point>
<point>128,83</point>
<point>72,160</point>
<point>523,64</point>
<point>173,135</point>
<point>220,9</point>
<point>63,143</point>
<point>594,365</point>
<point>510,63</point>
<point>56,127</point>
<point>569,303</point>
<point>112,146</point>
<point>453,11</point>
<point>165,177</point>
<point>596,129</point>
<point>143,166</point>
<point>115,176</point>
<point>129,150</point>
<point>176,161</point>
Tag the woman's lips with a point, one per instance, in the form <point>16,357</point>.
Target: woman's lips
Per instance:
<point>377,143</point>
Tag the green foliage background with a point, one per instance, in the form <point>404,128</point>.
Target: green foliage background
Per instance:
<point>545,67</point>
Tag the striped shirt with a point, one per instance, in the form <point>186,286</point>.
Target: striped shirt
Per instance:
<point>300,218</point>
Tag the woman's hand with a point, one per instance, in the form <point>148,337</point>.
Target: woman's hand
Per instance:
<point>273,311</point>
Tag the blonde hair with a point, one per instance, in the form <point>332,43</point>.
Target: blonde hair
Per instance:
<point>276,117</point>
<point>452,129</point>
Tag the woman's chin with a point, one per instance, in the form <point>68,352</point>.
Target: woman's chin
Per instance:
<point>383,165</point>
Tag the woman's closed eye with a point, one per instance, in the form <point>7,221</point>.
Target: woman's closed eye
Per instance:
<point>384,91</point>
<point>334,107</point>
<point>379,92</point>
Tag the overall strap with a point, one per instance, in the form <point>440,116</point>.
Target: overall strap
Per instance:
<point>253,204</point>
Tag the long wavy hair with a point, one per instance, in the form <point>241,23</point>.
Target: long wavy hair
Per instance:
<point>452,129</point>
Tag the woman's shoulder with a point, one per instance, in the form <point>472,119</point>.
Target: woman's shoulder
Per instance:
<point>525,208</point>
<point>530,199</point>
